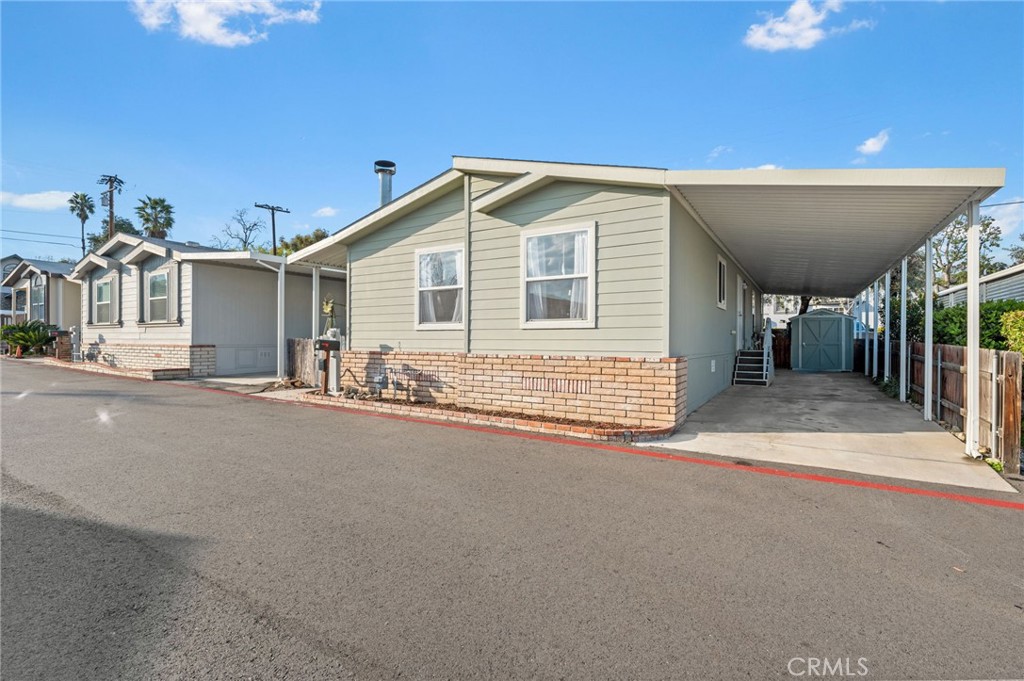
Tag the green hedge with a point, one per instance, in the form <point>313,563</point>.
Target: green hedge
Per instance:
<point>950,324</point>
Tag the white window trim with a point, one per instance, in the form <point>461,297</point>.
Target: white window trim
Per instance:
<point>165,273</point>
<point>32,288</point>
<point>109,281</point>
<point>590,321</point>
<point>460,248</point>
<point>722,283</point>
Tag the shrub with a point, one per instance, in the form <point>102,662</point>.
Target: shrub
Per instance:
<point>32,335</point>
<point>950,325</point>
<point>1013,330</point>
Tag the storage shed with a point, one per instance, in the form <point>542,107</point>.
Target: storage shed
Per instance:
<point>821,340</point>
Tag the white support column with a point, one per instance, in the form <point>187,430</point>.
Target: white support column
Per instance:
<point>973,328</point>
<point>316,303</point>
<point>903,331</point>
<point>282,350</point>
<point>929,347</point>
<point>865,320</point>
<point>888,333</point>
<point>874,334</point>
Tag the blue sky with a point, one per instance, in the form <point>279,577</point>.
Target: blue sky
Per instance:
<point>215,106</point>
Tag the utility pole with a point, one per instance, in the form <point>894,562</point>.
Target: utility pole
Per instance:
<point>113,182</point>
<point>274,210</point>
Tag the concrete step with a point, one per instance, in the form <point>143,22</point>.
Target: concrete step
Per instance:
<point>750,381</point>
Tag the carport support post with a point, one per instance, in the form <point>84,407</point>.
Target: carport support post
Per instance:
<point>865,319</point>
<point>973,328</point>
<point>316,303</point>
<point>874,335</point>
<point>888,334</point>
<point>929,350</point>
<point>903,331</point>
<point>281,349</point>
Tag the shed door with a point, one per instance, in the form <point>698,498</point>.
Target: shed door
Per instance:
<point>821,344</point>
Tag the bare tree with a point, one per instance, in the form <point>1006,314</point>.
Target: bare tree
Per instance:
<point>240,232</point>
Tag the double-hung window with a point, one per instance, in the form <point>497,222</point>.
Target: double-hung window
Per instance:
<point>103,304</point>
<point>558,276</point>
<point>440,284</point>
<point>38,299</point>
<point>157,311</point>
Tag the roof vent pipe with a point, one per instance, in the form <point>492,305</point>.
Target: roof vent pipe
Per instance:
<point>384,169</point>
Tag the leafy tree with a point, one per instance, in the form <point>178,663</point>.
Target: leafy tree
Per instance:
<point>240,232</point>
<point>297,242</point>
<point>156,216</point>
<point>951,251</point>
<point>82,206</point>
<point>123,225</point>
<point>1017,252</point>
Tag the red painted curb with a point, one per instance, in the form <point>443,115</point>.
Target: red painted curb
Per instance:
<point>762,470</point>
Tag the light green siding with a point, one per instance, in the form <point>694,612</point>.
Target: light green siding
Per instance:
<point>383,271</point>
<point>700,330</point>
<point>630,294</point>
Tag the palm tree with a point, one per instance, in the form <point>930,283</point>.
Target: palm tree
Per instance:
<point>156,217</point>
<point>82,207</point>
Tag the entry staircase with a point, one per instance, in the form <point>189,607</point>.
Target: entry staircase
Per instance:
<point>756,367</point>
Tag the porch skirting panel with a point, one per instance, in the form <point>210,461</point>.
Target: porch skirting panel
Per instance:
<point>631,391</point>
<point>200,360</point>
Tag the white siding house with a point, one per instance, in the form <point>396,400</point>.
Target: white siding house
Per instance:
<point>1006,284</point>
<point>40,289</point>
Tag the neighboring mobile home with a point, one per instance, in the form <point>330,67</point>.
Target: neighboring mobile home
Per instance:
<point>40,289</point>
<point>155,304</point>
<point>1006,284</point>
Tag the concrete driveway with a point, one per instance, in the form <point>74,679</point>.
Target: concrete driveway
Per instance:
<point>838,421</point>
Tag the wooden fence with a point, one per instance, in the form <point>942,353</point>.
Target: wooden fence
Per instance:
<point>1000,395</point>
<point>781,349</point>
<point>302,360</point>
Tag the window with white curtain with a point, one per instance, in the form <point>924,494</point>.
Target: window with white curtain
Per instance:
<point>102,315</point>
<point>558,276</point>
<point>157,297</point>
<point>439,287</point>
<point>38,299</point>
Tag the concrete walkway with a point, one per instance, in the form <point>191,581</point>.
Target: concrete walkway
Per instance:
<point>838,421</point>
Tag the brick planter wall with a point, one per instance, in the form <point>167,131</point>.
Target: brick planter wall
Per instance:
<point>631,391</point>
<point>198,360</point>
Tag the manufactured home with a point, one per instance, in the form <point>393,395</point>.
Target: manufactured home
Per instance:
<point>1006,284</point>
<point>155,304</point>
<point>41,290</point>
<point>610,293</point>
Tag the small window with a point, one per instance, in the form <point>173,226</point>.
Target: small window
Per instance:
<point>157,297</point>
<point>721,283</point>
<point>439,287</point>
<point>558,276</point>
<point>38,299</point>
<point>103,302</point>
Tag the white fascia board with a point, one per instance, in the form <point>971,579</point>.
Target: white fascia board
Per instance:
<point>143,251</point>
<point>16,274</point>
<point>445,182</point>
<point>845,177</point>
<point>510,191</point>
<point>231,256</point>
<point>90,262</point>
<point>644,177</point>
<point>117,240</point>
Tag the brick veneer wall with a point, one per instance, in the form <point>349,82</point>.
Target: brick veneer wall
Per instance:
<point>633,391</point>
<point>200,360</point>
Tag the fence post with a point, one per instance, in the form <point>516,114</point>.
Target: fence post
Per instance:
<point>994,416</point>
<point>1010,442</point>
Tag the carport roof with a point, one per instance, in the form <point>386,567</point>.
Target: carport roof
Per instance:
<point>798,232</point>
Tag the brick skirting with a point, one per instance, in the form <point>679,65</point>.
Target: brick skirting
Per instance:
<point>638,392</point>
<point>97,368</point>
<point>196,360</point>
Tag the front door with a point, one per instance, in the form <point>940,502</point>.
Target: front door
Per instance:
<point>740,295</point>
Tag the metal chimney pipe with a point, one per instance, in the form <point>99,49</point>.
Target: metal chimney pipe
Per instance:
<point>384,169</point>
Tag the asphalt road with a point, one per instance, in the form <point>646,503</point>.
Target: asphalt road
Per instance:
<point>156,531</point>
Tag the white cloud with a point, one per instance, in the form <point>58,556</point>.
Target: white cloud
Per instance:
<point>224,23</point>
<point>1009,218</point>
<point>768,166</point>
<point>325,212</point>
<point>51,200</point>
<point>874,145</point>
<point>718,151</point>
<point>800,28</point>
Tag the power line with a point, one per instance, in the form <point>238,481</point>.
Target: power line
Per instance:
<point>1007,203</point>
<point>273,223</point>
<point>18,231</point>
<point>37,241</point>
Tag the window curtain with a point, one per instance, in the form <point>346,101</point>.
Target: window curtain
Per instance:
<point>537,303</point>
<point>578,295</point>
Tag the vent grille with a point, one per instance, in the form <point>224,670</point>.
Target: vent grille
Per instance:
<point>574,386</point>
